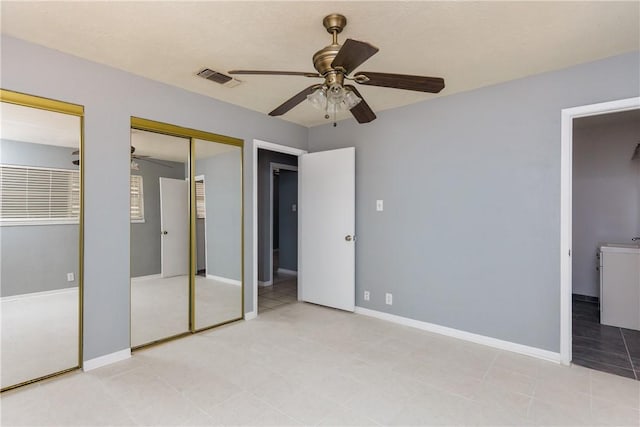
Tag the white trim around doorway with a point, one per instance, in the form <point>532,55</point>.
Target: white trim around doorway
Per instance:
<point>255,145</point>
<point>566,207</point>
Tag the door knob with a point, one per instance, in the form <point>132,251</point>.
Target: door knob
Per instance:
<point>165,232</point>
<point>349,238</point>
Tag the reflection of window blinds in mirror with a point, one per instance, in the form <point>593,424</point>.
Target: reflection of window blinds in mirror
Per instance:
<point>39,194</point>
<point>137,198</point>
<point>200,207</point>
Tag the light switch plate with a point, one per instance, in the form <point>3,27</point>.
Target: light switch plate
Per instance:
<point>70,277</point>
<point>379,205</point>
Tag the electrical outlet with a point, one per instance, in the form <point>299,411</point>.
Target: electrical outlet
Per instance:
<point>367,295</point>
<point>379,205</point>
<point>70,277</point>
<point>388,298</point>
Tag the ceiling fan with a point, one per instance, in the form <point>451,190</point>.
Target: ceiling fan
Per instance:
<point>334,63</point>
<point>134,157</point>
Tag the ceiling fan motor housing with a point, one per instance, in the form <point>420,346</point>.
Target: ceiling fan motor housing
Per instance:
<point>323,58</point>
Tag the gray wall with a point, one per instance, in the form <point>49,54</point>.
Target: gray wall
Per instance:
<point>37,258</point>
<point>223,189</point>
<point>288,220</point>
<point>470,234</point>
<point>145,237</point>
<point>201,263</point>
<point>265,158</point>
<point>606,191</point>
<point>110,98</point>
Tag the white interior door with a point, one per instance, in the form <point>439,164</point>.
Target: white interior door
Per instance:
<point>174,223</point>
<point>326,227</point>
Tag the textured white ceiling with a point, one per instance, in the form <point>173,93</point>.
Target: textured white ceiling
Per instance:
<point>470,44</point>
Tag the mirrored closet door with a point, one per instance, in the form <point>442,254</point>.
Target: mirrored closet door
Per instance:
<point>159,236</point>
<point>40,237</point>
<point>218,233</point>
<point>186,231</point>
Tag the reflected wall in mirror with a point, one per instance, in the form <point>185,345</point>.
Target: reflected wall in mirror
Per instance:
<point>159,236</point>
<point>40,234</point>
<point>218,233</point>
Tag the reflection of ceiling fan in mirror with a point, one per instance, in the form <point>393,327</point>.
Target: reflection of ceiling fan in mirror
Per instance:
<point>334,63</point>
<point>134,157</point>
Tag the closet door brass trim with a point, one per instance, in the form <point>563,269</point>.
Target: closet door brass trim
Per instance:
<point>192,235</point>
<point>167,129</point>
<point>41,103</point>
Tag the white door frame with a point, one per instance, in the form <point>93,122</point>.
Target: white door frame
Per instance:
<point>566,207</point>
<point>256,143</point>
<point>273,166</point>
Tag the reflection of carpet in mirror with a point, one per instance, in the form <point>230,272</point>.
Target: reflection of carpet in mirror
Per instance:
<point>160,307</point>
<point>39,335</point>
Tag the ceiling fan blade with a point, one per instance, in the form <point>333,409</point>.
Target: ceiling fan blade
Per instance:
<point>362,112</point>
<point>352,54</point>
<point>150,160</point>
<point>294,100</point>
<point>275,73</point>
<point>401,81</point>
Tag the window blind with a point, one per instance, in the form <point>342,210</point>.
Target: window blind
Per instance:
<point>137,198</point>
<point>200,205</point>
<point>31,194</point>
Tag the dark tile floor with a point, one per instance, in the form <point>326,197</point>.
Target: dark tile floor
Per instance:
<point>604,348</point>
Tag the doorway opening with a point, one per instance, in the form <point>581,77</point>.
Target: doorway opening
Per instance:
<point>600,211</point>
<point>277,229</point>
<point>263,247</point>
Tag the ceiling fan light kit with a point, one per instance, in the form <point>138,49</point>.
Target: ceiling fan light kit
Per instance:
<point>334,63</point>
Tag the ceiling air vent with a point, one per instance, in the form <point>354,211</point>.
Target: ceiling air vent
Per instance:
<point>218,77</point>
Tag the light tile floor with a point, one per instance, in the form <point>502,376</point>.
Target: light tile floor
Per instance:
<point>39,333</point>
<point>301,364</point>
<point>283,291</point>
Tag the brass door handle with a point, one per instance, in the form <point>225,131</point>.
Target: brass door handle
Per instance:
<point>164,232</point>
<point>349,238</point>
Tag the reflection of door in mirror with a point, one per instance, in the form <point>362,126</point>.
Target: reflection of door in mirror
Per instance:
<point>159,237</point>
<point>218,181</point>
<point>40,197</point>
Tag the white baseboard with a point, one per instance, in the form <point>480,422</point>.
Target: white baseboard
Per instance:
<point>39,294</point>
<point>224,280</point>
<point>250,315</point>
<point>107,359</point>
<point>267,283</point>
<point>285,271</point>
<point>148,277</point>
<point>463,335</point>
